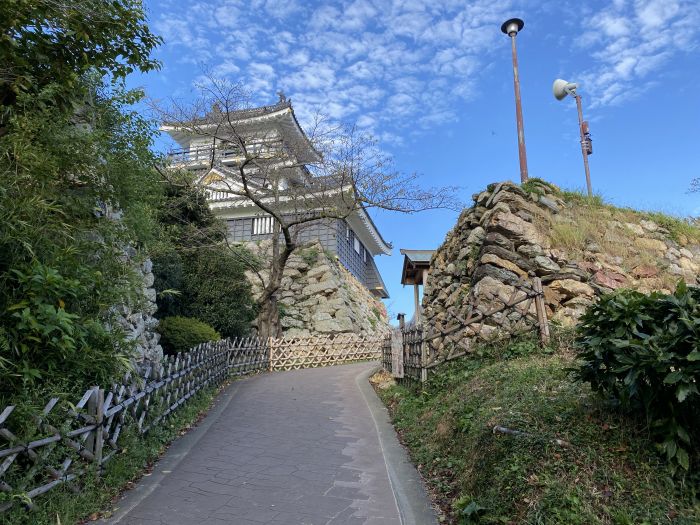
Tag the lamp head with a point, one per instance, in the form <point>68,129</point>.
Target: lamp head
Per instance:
<point>561,88</point>
<point>512,27</point>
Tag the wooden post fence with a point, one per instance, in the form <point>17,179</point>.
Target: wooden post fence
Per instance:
<point>67,440</point>
<point>418,358</point>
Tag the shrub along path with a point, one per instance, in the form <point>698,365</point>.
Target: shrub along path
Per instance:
<point>303,447</point>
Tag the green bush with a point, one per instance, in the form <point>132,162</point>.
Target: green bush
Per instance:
<point>643,351</point>
<point>217,291</point>
<point>180,334</point>
<point>47,338</point>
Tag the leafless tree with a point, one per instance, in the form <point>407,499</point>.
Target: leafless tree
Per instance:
<point>345,173</point>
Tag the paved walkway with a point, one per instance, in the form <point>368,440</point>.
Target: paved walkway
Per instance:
<point>303,447</point>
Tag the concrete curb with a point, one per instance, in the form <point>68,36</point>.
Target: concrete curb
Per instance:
<point>177,451</point>
<point>415,507</point>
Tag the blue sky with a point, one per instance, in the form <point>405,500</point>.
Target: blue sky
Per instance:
<point>432,79</point>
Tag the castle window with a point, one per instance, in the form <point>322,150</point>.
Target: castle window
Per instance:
<point>357,245</point>
<point>262,225</point>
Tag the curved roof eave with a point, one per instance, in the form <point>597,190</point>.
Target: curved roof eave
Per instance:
<point>381,246</point>
<point>180,134</point>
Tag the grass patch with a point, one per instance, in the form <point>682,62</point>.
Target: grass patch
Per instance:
<point>137,455</point>
<point>309,255</point>
<point>610,474</point>
<point>590,221</point>
<point>539,186</point>
<point>677,227</point>
<point>681,230</point>
<point>583,199</point>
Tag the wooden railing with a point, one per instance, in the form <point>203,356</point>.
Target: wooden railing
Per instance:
<point>59,445</point>
<point>203,153</point>
<point>408,355</point>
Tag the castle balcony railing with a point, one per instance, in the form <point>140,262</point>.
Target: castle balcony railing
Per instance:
<point>204,154</point>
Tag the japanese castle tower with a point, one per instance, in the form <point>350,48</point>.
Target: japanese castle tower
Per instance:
<point>275,134</point>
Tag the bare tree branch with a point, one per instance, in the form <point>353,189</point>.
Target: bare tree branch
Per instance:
<point>338,172</point>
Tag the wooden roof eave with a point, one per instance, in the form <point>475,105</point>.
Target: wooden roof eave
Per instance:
<point>284,118</point>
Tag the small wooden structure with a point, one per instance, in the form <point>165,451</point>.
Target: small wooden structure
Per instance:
<point>416,264</point>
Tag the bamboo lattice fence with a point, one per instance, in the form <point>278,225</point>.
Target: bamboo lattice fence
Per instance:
<point>292,354</point>
<point>56,447</point>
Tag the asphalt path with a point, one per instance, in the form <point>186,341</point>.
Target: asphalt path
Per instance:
<point>307,447</point>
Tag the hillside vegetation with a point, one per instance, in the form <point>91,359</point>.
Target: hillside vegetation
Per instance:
<point>621,239</point>
<point>600,427</point>
<point>605,468</point>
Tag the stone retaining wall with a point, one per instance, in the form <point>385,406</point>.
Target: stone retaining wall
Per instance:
<point>318,296</point>
<point>580,250</point>
<point>137,319</point>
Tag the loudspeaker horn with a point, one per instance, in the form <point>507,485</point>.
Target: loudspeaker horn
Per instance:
<point>561,88</point>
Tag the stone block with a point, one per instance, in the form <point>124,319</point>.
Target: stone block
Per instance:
<point>490,289</point>
<point>570,288</point>
<point>515,228</point>
<point>328,326</point>
<point>545,265</point>
<point>644,271</point>
<point>476,236</point>
<point>520,261</point>
<point>609,279</point>
<point>687,264</point>
<point>322,287</point>
<point>530,250</point>
<point>490,258</point>
<point>568,316</point>
<point>634,228</point>
<point>496,239</point>
<point>318,270</point>
<point>651,244</point>
<point>549,203</point>
<point>649,226</point>
<point>500,274</point>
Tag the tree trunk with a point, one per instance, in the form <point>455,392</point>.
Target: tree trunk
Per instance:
<point>268,319</point>
<point>268,305</point>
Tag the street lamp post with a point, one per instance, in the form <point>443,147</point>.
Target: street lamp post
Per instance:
<point>511,28</point>
<point>561,89</point>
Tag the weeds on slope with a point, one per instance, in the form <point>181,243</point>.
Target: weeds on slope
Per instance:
<point>602,470</point>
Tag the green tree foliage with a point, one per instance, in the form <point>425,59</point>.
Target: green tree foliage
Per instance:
<point>180,334</point>
<point>217,290</point>
<point>643,351</point>
<point>197,273</point>
<point>55,43</point>
<point>62,268</point>
<point>72,153</point>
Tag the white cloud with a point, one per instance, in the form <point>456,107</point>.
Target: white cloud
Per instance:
<point>628,41</point>
<point>388,64</point>
<point>394,65</point>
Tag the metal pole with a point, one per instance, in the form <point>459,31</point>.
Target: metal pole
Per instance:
<point>519,113</point>
<point>584,149</point>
